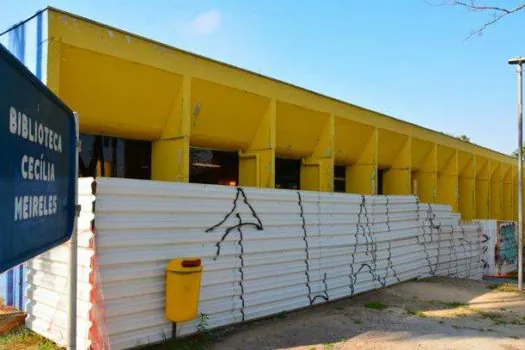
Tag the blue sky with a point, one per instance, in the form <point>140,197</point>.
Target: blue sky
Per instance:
<point>403,58</point>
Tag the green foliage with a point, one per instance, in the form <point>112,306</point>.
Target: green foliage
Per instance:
<point>203,325</point>
<point>376,305</point>
<point>23,338</point>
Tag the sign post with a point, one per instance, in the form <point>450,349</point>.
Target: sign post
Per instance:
<point>519,62</point>
<point>38,170</point>
<point>73,263</point>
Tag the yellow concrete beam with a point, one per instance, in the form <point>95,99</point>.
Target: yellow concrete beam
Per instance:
<point>361,177</point>
<point>350,140</point>
<point>496,190</point>
<point>317,170</point>
<point>170,156</point>
<point>257,164</point>
<point>507,200</point>
<point>467,187</point>
<point>397,179</point>
<point>482,188</point>
<point>448,177</point>
<point>426,177</point>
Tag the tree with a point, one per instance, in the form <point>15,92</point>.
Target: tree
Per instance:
<point>464,138</point>
<point>497,12</point>
<point>515,154</point>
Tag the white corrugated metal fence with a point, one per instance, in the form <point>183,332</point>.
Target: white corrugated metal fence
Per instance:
<point>264,251</point>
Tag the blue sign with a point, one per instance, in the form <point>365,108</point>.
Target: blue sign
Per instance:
<point>37,165</point>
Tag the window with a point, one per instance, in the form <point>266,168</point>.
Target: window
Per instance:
<point>380,177</point>
<point>214,167</point>
<point>287,173</point>
<point>340,178</point>
<point>114,157</point>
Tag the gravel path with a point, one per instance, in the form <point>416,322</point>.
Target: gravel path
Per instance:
<point>432,314</point>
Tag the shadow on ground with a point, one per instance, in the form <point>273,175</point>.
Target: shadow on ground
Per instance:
<point>436,313</point>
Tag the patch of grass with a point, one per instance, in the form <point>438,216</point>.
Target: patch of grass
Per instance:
<point>418,313</point>
<point>514,337</point>
<point>519,321</point>
<point>328,346</point>
<point>199,342</point>
<point>202,327</point>
<point>358,322</point>
<point>494,317</point>
<point>23,338</point>
<point>455,304</point>
<point>280,316</point>
<point>504,287</point>
<point>376,305</point>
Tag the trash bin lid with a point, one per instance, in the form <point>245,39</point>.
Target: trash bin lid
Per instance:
<point>185,265</point>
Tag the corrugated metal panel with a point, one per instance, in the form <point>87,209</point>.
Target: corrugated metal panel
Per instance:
<point>264,251</point>
<point>500,249</point>
<point>47,280</point>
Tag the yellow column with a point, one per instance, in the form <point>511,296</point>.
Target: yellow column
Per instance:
<point>448,183</point>
<point>257,163</point>
<point>170,156</point>
<point>426,178</point>
<point>482,189</point>
<point>317,170</point>
<point>496,190</point>
<point>361,177</point>
<point>467,191</point>
<point>515,193</point>
<point>397,179</point>
<point>506,175</point>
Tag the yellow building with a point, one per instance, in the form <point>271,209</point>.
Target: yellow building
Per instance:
<point>184,108</point>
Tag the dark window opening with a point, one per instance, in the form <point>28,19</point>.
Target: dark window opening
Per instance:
<point>380,177</point>
<point>415,190</point>
<point>114,157</point>
<point>214,167</point>
<point>287,173</point>
<point>340,178</point>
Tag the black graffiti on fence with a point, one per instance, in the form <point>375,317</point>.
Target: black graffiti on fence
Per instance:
<point>464,241</point>
<point>436,235</point>
<point>324,296</point>
<point>452,248</point>
<point>430,219</point>
<point>390,266</point>
<point>307,257</point>
<point>237,227</point>
<point>258,224</point>
<point>363,228</point>
<point>241,268</point>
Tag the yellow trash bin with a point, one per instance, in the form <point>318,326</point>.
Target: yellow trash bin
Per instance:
<point>183,283</point>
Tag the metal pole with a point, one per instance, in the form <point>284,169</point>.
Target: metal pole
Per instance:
<point>73,250</point>
<point>520,176</point>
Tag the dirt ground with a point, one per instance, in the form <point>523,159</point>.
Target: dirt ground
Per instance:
<point>436,313</point>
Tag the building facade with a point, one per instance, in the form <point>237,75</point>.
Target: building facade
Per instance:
<point>151,111</point>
